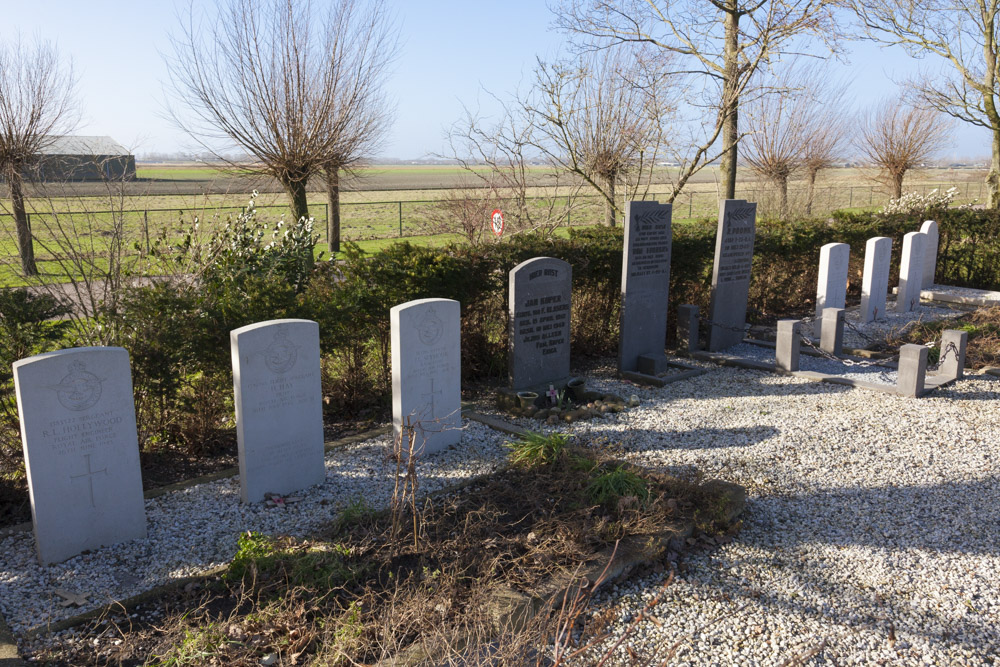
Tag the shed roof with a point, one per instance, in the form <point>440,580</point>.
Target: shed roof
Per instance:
<point>77,145</point>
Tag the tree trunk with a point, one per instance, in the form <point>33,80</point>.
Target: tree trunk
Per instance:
<point>730,104</point>
<point>812,173</point>
<point>783,193</point>
<point>333,208</point>
<point>993,177</point>
<point>896,181</point>
<point>296,189</point>
<point>609,204</point>
<point>25,244</point>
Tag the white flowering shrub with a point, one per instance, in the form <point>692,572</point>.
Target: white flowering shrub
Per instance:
<point>915,202</point>
<point>247,247</point>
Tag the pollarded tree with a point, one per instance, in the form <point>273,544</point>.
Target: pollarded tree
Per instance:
<point>724,42</point>
<point>797,123</point>
<point>37,103</point>
<point>964,35</point>
<point>896,138</point>
<point>297,88</point>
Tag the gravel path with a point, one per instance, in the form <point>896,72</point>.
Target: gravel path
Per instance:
<point>873,527</point>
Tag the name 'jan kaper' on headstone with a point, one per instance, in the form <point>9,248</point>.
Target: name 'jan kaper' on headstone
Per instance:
<point>539,311</point>
<point>81,451</point>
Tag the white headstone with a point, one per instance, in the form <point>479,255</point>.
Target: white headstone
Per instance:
<point>645,282</point>
<point>731,273</point>
<point>875,283</point>
<point>81,451</point>
<point>911,271</point>
<point>539,310</point>
<point>930,228</point>
<point>427,371</point>
<point>279,407</point>
<point>831,288</point>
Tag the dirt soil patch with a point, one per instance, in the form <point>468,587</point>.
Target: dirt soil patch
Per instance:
<point>428,577</point>
<point>982,325</point>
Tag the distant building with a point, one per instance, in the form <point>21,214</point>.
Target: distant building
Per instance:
<point>68,158</point>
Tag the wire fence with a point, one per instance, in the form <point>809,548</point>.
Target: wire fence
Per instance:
<point>362,221</point>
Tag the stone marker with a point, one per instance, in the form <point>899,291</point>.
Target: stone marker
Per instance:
<point>930,228</point>
<point>910,272</point>
<point>539,310</point>
<point>645,285</point>
<point>952,361</point>
<point>81,451</point>
<point>427,371</point>
<point>831,288</point>
<point>731,273</point>
<point>875,283</point>
<point>279,407</point>
<point>832,340</point>
<point>788,345</point>
<point>687,328</point>
<point>912,370</point>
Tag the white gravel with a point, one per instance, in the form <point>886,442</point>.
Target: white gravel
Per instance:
<point>195,530</point>
<point>871,535</point>
<point>872,529</point>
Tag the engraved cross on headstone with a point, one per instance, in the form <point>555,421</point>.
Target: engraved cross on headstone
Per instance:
<point>431,394</point>
<point>90,477</point>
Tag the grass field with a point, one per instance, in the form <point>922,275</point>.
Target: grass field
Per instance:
<point>379,205</point>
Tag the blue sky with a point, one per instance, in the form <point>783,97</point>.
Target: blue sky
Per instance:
<point>451,50</point>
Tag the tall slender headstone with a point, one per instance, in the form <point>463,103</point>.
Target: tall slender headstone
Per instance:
<point>539,309</point>
<point>279,407</point>
<point>645,283</point>
<point>427,371</point>
<point>731,273</point>
<point>831,288</point>
<point>875,281</point>
<point>911,272</point>
<point>930,228</point>
<point>81,451</point>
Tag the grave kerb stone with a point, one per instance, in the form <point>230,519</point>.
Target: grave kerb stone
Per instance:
<point>539,310</point>
<point>912,372</point>
<point>81,450</point>
<point>910,272</point>
<point>832,340</point>
<point>930,228</point>
<point>687,328</point>
<point>427,371</point>
<point>645,284</point>
<point>831,287</point>
<point>875,280</point>
<point>788,345</point>
<point>731,268</point>
<point>279,407</point>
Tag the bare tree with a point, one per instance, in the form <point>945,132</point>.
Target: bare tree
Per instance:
<point>896,138</point>
<point>299,90</point>
<point>600,119</point>
<point>965,36</point>
<point>37,103</point>
<point>723,42</point>
<point>800,123</point>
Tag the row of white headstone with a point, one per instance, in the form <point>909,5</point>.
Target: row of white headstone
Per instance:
<point>916,272</point>
<point>78,424</point>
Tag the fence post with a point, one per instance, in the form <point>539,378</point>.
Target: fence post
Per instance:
<point>145,227</point>
<point>400,218</point>
<point>690,204</point>
<point>871,195</point>
<point>851,204</point>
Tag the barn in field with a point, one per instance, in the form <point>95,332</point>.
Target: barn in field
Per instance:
<point>69,158</point>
